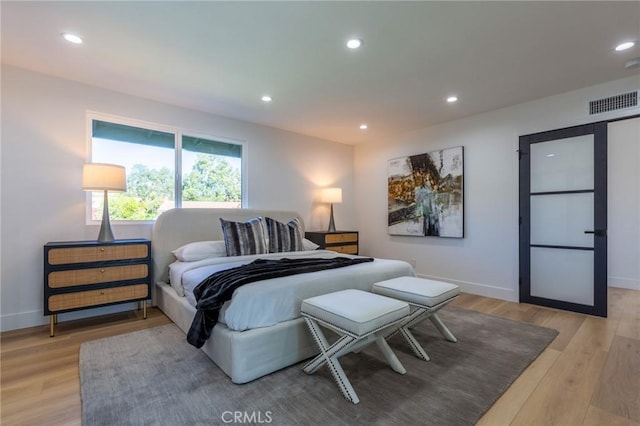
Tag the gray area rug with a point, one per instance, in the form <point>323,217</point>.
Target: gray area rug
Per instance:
<point>154,377</point>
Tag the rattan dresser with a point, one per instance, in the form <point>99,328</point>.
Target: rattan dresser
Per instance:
<point>87,274</point>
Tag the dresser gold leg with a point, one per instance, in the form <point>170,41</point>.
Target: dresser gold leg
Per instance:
<point>51,324</point>
<point>144,309</point>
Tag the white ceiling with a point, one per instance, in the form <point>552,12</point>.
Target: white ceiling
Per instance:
<point>221,57</point>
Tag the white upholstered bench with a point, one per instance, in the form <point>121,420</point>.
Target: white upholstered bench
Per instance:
<point>360,318</point>
<point>426,297</point>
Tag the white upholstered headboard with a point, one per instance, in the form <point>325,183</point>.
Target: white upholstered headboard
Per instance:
<point>177,227</point>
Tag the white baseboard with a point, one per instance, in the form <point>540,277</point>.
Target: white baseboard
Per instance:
<point>22,320</point>
<point>478,288</point>
<point>621,282</point>
<point>36,318</point>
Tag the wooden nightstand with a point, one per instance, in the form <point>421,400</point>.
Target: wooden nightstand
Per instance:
<point>340,241</point>
<point>87,274</point>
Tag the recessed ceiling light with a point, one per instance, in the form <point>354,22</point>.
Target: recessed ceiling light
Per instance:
<point>266,98</point>
<point>551,155</point>
<point>625,46</point>
<point>363,127</point>
<point>72,38</point>
<point>452,99</point>
<point>354,43</point>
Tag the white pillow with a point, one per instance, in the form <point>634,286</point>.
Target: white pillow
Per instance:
<point>200,250</point>
<point>309,245</point>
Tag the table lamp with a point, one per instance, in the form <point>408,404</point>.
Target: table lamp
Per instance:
<point>332,196</point>
<point>104,177</point>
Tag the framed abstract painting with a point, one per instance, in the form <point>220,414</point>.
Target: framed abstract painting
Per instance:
<point>426,194</point>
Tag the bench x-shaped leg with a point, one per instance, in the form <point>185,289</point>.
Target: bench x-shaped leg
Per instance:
<point>418,315</point>
<point>329,355</point>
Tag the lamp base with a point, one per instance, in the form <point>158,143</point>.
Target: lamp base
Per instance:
<point>106,234</point>
<point>332,224</point>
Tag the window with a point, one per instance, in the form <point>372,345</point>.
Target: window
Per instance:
<point>166,168</point>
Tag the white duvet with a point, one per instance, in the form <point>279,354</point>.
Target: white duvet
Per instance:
<point>268,302</point>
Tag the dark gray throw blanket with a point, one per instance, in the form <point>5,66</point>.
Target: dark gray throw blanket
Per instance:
<point>219,287</point>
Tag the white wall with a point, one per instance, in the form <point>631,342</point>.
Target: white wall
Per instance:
<point>485,262</point>
<point>44,145</point>
<point>623,211</point>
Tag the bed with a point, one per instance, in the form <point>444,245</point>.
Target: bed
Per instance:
<point>250,343</point>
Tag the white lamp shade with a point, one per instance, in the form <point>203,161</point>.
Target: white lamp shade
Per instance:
<point>331,195</point>
<point>101,176</point>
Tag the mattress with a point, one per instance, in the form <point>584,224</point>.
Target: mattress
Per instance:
<point>269,302</point>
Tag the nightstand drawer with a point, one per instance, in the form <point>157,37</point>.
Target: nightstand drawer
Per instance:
<point>339,241</point>
<point>81,299</point>
<point>348,249</point>
<point>341,238</point>
<point>70,278</point>
<point>68,255</point>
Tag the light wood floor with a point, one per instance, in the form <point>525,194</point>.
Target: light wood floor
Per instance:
<point>589,375</point>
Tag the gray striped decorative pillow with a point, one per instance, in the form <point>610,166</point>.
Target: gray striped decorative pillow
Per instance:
<point>284,237</point>
<point>242,238</point>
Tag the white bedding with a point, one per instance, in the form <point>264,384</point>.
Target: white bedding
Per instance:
<point>268,302</point>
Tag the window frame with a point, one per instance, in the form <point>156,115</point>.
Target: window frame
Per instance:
<point>178,134</point>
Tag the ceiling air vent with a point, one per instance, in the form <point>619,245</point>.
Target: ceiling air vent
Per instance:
<point>625,100</point>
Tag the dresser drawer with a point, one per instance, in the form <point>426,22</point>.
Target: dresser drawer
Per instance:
<point>70,255</point>
<point>347,249</point>
<point>81,299</point>
<point>341,238</point>
<point>74,277</point>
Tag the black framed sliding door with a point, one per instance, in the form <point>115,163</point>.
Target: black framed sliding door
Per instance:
<point>563,219</point>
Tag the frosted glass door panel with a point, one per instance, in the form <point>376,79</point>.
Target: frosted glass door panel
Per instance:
<point>562,165</point>
<point>561,274</point>
<point>561,219</point>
